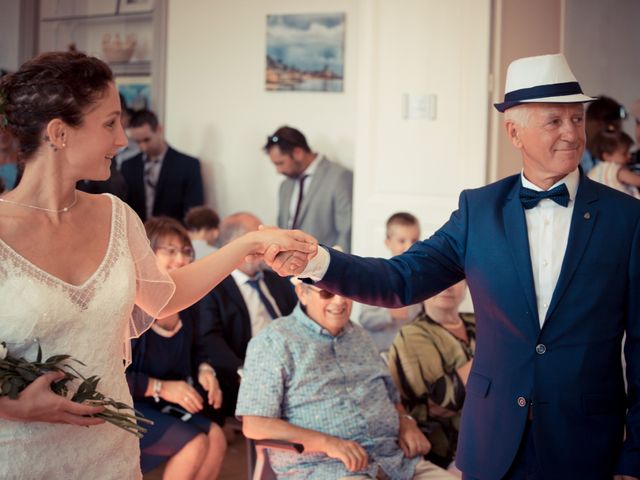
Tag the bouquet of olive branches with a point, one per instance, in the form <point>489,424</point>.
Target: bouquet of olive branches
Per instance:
<point>16,374</point>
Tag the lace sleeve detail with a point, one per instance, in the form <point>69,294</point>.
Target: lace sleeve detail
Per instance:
<point>154,286</point>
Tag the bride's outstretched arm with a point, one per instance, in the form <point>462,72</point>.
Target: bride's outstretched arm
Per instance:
<point>194,281</point>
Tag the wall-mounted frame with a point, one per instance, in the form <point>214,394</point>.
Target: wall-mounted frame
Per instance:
<point>305,52</point>
<point>136,91</point>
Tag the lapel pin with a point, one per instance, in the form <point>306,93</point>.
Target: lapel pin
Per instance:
<point>587,216</point>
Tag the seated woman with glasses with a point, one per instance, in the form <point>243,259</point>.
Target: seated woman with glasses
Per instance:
<point>166,360</point>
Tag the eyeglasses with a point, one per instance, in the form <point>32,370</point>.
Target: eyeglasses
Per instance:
<point>323,294</point>
<point>172,251</point>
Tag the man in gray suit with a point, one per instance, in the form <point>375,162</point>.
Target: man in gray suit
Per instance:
<point>316,195</point>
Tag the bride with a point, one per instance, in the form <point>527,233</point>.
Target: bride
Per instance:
<point>76,270</point>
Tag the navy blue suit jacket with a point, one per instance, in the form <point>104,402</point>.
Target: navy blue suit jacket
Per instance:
<point>574,383</point>
<point>178,189</point>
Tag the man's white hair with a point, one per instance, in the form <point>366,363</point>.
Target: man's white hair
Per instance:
<point>519,115</point>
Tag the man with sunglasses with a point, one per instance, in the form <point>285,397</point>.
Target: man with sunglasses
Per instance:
<point>316,193</point>
<point>316,379</point>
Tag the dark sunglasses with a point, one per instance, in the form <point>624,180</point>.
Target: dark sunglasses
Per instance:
<point>323,294</point>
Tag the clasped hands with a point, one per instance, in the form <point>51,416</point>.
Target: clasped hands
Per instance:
<point>287,252</point>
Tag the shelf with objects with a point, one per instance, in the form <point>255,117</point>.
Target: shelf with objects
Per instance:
<point>127,34</point>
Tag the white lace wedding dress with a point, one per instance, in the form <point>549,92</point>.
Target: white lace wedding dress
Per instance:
<point>93,322</point>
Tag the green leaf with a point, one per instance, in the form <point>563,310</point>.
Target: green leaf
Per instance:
<point>57,359</point>
<point>13,391</point>
<point>6,388</point>
<point>28,375</point>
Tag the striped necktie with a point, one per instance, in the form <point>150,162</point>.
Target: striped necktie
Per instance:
<point>255,283</point>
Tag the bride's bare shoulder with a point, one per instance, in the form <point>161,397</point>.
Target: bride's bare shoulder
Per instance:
<point>97,204</point>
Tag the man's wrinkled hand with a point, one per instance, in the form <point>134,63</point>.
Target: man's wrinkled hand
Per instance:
<point>350,453</point>
<point>287,263</point>
<point>411,439</point>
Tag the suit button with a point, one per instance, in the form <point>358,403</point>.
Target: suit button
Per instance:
<point>541,349</point>
<point>522,402</point>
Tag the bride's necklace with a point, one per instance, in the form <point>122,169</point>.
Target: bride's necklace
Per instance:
<point>50,210</point>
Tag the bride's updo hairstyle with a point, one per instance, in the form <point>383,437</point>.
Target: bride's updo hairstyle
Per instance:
<point>52,85</point>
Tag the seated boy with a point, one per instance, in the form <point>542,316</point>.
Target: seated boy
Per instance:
<point>403,230</point>
<point>316,379</point>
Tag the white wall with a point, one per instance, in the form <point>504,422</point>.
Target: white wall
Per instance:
<point>217,107</point>
<point>421,47</point>
<point>602,42</point>
<point>420,165</point>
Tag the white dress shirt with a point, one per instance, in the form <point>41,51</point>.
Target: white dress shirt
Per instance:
<point>548,227</point>
<point>308,173</point>
<point>258,314</point>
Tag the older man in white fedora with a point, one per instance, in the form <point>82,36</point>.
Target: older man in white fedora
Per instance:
<point>552,260</point>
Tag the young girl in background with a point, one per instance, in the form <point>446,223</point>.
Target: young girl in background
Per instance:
<point>612,149</point>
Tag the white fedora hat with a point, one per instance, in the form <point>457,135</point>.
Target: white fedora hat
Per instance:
<point>545,78</point>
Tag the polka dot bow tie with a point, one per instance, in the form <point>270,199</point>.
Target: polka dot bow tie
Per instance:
<point>530,198</point>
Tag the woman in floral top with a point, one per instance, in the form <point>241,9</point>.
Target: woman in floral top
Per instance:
<point>430,361</point>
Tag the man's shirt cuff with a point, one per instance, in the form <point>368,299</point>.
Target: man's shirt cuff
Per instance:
<point>318,266</point>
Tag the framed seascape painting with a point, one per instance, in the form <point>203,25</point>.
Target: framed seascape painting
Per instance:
<point>305,52</point>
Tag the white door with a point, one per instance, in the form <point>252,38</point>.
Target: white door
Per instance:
<point>421,135</point>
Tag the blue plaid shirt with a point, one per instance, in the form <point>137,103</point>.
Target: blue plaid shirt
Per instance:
<point>297,371</point>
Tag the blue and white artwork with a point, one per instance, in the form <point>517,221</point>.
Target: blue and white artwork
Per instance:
<point>305,52</point>
<point>136,91</point>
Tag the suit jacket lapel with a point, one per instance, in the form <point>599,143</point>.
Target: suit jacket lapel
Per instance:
<point>316,183</point>
<point>515,228</point>
<point>584,217</point>
<point>276,285</point>
<point>233,290</point>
